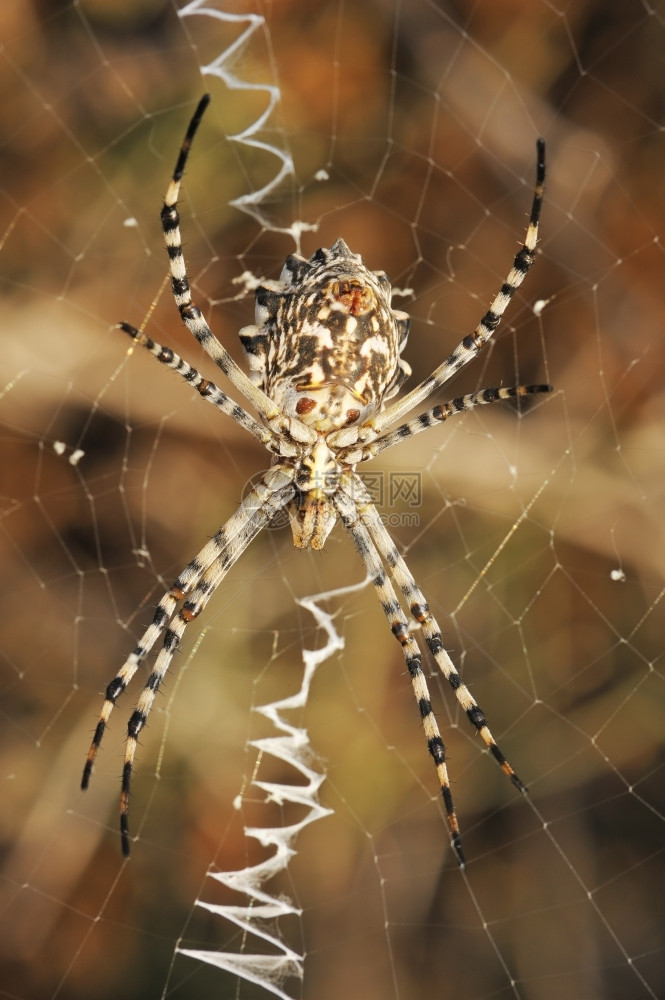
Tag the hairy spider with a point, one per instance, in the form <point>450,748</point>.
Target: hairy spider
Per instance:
<point>324,356</point>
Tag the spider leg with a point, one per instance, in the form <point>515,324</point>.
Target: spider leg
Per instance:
<point>354,522</point>
<point>191,314</point>
<point>216,557</point>
<point>272,501</point>
<point>435,416</point>
<point>190,610</point>
<point>471,345</point>
<point>431,630</point>
<point>206,388</point>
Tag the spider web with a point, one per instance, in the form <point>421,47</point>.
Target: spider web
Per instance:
<point>537,537</point>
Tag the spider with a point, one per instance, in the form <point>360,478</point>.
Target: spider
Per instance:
<point>324,356</point>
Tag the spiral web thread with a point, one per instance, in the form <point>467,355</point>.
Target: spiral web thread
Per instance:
<point>270,971</point>
<point>221,68</point>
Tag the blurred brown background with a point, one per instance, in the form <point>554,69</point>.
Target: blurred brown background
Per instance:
<point>413,132</point>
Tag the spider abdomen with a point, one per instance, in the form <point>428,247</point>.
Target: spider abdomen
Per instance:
<point>326,344</point>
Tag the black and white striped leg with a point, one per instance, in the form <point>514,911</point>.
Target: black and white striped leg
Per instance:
<point>190,610</point>
<point>205,387</point>
<point>189,311</point>
<point>217,556</point>
<point>163,614</point>
<point>354,523</point>
<point>435,416</point>
<point>420,610</point>
<point>467,350</point>
<point>260,507</point>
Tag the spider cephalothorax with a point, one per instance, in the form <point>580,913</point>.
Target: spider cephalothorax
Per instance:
<point>324,356</point>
